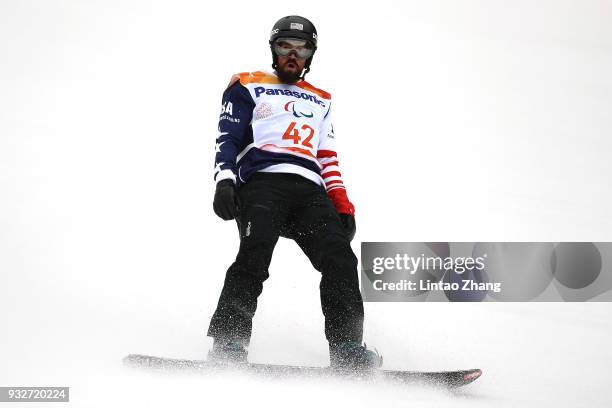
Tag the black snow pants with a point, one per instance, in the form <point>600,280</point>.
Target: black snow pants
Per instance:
<point>289,205</point>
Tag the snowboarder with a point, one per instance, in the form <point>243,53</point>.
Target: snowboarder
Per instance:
<point>277,174</point>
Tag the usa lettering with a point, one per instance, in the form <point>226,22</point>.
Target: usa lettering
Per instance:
<point>226,108</point>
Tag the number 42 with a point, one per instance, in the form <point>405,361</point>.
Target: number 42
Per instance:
<point>292,133</point>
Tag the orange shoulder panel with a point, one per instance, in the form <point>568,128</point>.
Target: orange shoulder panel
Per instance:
<point>258,77</point>
<point>305,85</point>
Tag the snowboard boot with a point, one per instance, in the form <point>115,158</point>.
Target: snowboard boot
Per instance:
<point>351,356</point>
<point>228,352</point>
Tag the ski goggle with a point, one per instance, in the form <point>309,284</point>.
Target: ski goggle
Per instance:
<point>284,46</point>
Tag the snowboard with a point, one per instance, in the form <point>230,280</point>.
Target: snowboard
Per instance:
<point>450,379</point>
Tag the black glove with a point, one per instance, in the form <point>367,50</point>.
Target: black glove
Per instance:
<point>226,202</point>
<point>348,222</point>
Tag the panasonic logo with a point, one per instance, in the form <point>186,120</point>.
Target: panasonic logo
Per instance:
<point>287,92</point>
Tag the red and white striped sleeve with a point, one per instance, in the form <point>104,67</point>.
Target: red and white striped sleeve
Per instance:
<point>330,170</point>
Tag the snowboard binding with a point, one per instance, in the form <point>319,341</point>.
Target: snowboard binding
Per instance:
<point>352,356</point>
<point>228,352</point>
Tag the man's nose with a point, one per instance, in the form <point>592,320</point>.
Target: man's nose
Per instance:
<point>293,52</point>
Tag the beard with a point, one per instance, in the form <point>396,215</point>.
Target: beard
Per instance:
<point>288,77</point>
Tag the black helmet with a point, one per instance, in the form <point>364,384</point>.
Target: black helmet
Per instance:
<point>294,27</point>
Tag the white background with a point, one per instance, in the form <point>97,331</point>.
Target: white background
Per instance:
<point>457,121</point>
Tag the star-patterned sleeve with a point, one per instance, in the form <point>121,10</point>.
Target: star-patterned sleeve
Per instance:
<point>328,158</point>
<point>234,124</point>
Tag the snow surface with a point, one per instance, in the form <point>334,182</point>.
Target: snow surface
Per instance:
<point>457,121</point>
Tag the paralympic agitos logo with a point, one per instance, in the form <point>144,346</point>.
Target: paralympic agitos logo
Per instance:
<point>298,113</point>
